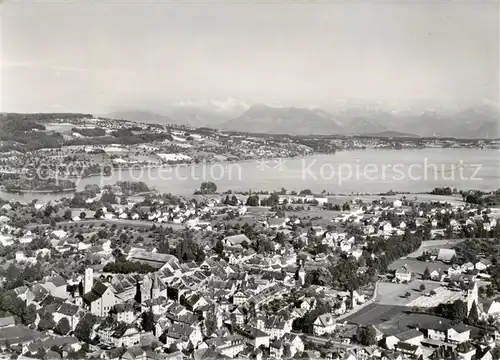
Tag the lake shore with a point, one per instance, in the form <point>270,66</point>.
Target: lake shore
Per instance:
<point>316,172</point>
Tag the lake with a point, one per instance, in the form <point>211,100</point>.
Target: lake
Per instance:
<point>346,172</point>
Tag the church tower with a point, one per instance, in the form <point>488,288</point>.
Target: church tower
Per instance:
<point>88,280</point>
<point>472,295</point>
<point>145,288</point>
<point>155,290</point>
<point>300,275</point>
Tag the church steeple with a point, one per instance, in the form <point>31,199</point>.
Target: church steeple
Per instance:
<point>155,289</point>
<point>300,275</point>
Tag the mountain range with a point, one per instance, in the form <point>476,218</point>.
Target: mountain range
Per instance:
<point>231,115</point>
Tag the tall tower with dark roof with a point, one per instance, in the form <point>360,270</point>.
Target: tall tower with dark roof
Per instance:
<point>155,289</point>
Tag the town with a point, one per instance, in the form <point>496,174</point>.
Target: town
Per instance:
<point>121,272</point>
<point>249,180</point>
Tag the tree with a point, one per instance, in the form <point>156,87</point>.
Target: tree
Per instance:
<point>473,315</point>
<point>28,316</point>
<point>319,276</point>
<point>367,336</point>
<point>422,287</point>
<point>210,324</point>
<point>458,310</point>
<point>148,321</point>
<point>490,291</point>
<point>253,200</point>
<point>208,188</point>
<point>83,215</point>
<point>164,247</point>
<point>219,247</point>
<point>432,293</point>
<point>273,199</point>
<point>67,214</point>
<point>496,352</point>
<point>427,274</point>
<point>84,328</point>
<point>108,197</point>
<point>99,214</point>
<point>63,327</point>
<point>46,322</point>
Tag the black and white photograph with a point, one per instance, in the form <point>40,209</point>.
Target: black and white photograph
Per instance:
<point>250,179</point>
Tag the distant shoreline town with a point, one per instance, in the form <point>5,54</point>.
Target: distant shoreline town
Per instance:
<point>38,149</point>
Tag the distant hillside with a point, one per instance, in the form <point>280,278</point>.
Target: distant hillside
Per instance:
<point>141,117</point>
<point>475,122</point>
<point>391,134</point>
<point>261,118</point>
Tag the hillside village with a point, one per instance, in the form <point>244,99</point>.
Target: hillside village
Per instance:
<point>109,274</point>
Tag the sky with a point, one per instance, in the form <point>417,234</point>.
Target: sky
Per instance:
<point>92,57</point>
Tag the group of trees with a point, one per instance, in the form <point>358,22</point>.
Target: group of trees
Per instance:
<point>187,250</point>
<point>443,191</point>
<point>272,200</point>
<point>481,198</point>
<point>233,201</point>
<point>133,187</point>
<point>16,276</point>
<point>148,321</point>
<point>10,304</point>
<point>253,200</point>
<point>455,311</point>
<point>366,335</point>
<point>83,330</point>
<point>207,188</point>
<point>458,311</point>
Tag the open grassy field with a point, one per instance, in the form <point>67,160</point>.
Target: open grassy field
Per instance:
<point>417,266</point>
<point>393,293</point>
<point>375,314</point>
<point>434,244</point>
